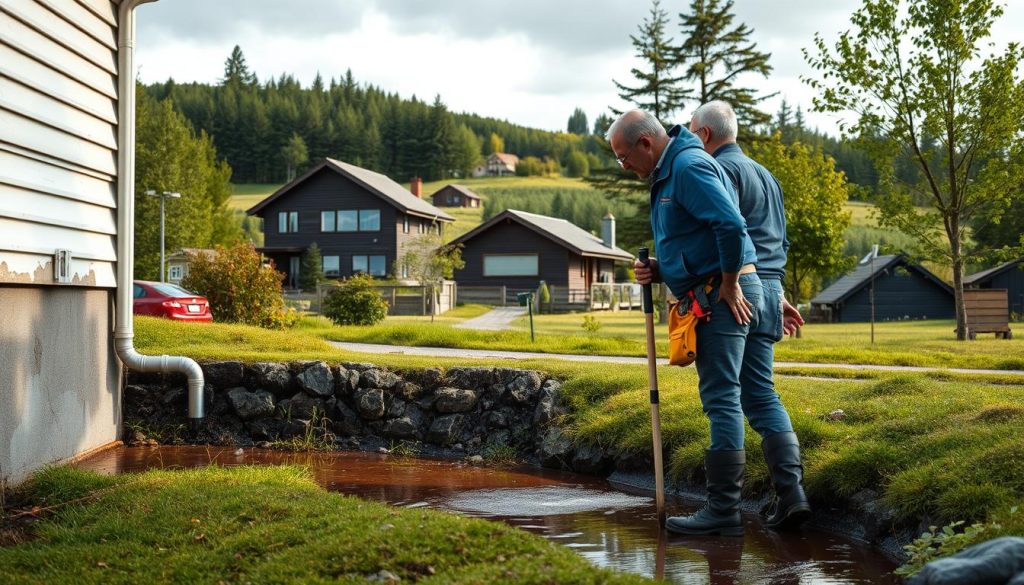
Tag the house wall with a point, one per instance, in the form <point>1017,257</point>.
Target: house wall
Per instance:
<point>59,379</point>
<point>509,237</point>
<point>1013,281</point>
<point>326,190</point>
<point>897,297</point>
<point>59,383</point>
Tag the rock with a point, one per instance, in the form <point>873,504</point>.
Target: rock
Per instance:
<point>523,388</point>
<point>475,459</point>
<point>303,406</point>
<point>396,408</point>
<point>448,400</point>
<point>470,377</point>
<point>374,378</point>
<point>500,437</point>
<point>340,374</point>
<point>406,427</point>
<point>317,380</point>
<point>135,392</point>
<point>445,429</point>
<point>173,396</point>
<point>264,445</point>
<point>271,376</point>
<point>555,449</point>
<point>346,422</point>
<point>358,366</point>
<point>353,380</point>
<point>136,438</point>
<point>370,403</point>
<point>432,377</point>
<point>223,374</point>
<point>383,577</point>
<point>497,420</point>
<point>408,390</point>
<point>592,460</point>
<point>547,404</point>
<point>383,450</point>
<point>265,429</point>
<point>294,428</point>
<point>836,415</point>
<point>250,405</point>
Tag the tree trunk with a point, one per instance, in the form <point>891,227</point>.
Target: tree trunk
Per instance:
<point>958,285</point>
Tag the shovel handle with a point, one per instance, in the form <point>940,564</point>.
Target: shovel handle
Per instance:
<point>644,255</point>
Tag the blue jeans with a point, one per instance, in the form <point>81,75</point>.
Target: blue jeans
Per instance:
<point>734,365</point>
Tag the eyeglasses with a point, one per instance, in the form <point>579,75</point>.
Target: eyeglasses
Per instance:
<point>622,159</point>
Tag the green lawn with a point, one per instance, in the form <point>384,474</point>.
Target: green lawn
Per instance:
<point>264,525</point>
<point>245,195</point>
<point>943,446</point>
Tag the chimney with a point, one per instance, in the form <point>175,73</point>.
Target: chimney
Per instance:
<point>416,186</point>
<point>608,230</point>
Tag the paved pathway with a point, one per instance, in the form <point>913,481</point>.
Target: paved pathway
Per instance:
<point>494,320</point>
<point>524,355</point>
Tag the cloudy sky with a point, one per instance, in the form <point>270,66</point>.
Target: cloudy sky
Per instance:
<point>530,62</point>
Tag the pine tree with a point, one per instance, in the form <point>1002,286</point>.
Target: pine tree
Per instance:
<point>236,72</point>
<point>601,125</point>
<point>578,122</point>
<point>311,273</point>
<point>716,53</point>
<point>657,90</point>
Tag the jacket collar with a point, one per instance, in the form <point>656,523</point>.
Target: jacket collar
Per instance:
<point>730,147</point>
<point>680,139</point>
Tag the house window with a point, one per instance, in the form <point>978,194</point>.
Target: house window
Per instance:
<point>405,225</point>
<point>288,222</point>
<point>372,265</point>
<point>511,265</point>
<point>348,220</point>
<point>332,266</point>
<point>369,220</point>
<point>174,273</point>
<point>327,221</point>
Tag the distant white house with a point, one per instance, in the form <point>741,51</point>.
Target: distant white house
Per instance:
<point>178,262</point>
<point>497,165</point>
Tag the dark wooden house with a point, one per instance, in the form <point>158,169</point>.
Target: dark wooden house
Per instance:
<point>903,290</point>
<point>517,250</point>
<point>358,218</point>
<point>455,196</point>
<point>1009,276</point>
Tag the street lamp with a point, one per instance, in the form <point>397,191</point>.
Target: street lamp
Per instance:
<point>163,195</point>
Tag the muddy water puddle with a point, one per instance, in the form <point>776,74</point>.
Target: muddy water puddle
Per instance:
<point>610,525</point>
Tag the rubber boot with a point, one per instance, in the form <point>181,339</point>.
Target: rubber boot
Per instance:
<point>721,514</point>
<point>789,508</point>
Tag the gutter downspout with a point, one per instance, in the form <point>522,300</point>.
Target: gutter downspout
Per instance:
<point>124,324</point>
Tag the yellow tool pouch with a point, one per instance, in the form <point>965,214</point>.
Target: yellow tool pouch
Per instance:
<point>682,335</point>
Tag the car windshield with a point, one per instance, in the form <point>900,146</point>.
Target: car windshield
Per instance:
<point>171,290</point>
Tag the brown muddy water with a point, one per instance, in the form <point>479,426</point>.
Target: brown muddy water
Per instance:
<point>610,525</point>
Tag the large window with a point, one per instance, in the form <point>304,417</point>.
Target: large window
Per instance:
<point>511,265</point>
<point>332,266</point>
<point>348,220</point>
<point>288,222</point>
<point>327,221</point>
<point>372,265</point>
<point>369,220</point>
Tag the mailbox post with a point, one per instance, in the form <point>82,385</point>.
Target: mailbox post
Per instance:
<point>526,300</point>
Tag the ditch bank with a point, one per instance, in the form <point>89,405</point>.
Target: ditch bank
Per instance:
<point>475,413</point>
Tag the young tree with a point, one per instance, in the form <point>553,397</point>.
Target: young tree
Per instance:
<point>495,143</point>
<point>576,164</point>
<point>578,122</point>
<point>716,53</point>
<point>657,90</point>
<point>241,289</point>
<point>311,273</point>
<point>915,71</point>
<point>294,154</point>
<point>429,261</point>
<point>816,223</point>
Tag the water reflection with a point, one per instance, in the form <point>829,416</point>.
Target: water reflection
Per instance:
<point>610,527</point>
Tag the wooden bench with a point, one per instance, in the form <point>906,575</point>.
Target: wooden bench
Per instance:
<point>988,311</point>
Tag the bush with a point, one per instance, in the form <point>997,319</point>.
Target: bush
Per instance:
<point>355,302</point>
<point>590,324</point>
<point>239,287</point>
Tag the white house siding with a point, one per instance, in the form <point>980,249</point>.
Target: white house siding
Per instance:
<point>59,377</point>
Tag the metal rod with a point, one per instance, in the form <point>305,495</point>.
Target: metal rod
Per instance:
<point>652,376</point>
<point>162,199</point>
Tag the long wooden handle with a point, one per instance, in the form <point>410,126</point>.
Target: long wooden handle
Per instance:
<point>652,376</point>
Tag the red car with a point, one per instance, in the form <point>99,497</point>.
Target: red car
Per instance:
<point>162,299</point>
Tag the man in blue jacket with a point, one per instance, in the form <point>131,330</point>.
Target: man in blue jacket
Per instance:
<point>699,234</point>
<point>761,205</point>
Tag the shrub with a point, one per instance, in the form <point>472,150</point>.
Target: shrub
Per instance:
<point>239,287</point>
<point>590,323</point>
<point>355,302</point>
<point>543,297</point>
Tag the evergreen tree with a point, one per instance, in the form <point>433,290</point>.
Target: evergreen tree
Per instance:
<point>657,90</point>
<point>601,124</point>
<point>236,72</point>
<point>311,273</point>
<point>716,53</point>
<point>577,165</point>
<point>578,122</point>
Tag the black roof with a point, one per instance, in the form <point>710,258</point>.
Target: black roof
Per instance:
<point>373,182</point>
<point>986,275</point>
<point>560,231</point>
<point>460,188</point>
<point>860,277</point>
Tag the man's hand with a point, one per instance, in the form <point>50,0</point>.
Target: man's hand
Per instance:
<point>791,318</point>
<point>732,294</point>
<point>644,273</point>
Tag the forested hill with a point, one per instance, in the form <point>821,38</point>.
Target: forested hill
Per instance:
<point>265,129</point>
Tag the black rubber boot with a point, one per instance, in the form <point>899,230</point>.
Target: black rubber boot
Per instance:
<point>789,508</point>
<point>721,514</point>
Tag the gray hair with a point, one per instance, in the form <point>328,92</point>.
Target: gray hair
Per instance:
<point>718,117</point>
<point>633,125</point>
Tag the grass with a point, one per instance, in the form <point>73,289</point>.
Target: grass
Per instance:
<point>264,525</point>
<point>245,195</point>
<point>898,343</point>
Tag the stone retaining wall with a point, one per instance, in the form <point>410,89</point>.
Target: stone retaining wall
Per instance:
<point>470,411</point>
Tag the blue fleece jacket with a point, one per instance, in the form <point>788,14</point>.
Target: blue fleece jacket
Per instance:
<point>698,229</point>
<point>760,198</point>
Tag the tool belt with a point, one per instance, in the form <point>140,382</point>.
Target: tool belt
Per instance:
<point>683,317</point>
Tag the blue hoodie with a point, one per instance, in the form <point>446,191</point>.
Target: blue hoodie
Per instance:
<point>698,229</point>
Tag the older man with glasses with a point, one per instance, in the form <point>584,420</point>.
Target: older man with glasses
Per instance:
<point>700,238</point>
